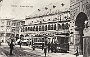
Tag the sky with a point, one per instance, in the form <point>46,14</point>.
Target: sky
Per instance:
<point>19,9</point>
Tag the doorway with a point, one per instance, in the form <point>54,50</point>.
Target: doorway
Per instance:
<point>79,23</point>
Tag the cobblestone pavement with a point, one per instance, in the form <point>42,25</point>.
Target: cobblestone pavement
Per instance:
<point>19,52</point>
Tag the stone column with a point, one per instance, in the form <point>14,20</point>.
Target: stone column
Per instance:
<point>38,28</point>
<point>57,26</point>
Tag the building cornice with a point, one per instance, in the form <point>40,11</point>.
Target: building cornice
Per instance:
<point>47,15</point>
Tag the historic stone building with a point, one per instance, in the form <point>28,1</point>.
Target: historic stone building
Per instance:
<point>80,16</point>
<point>52,22</point>
<point>8,27</point>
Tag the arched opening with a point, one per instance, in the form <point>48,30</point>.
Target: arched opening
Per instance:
<point>34,29</point>
<point>26,28</point>
<point>48,27</point>
<point>79,23</point>
<point>43,28</point>
<point>31,28</point>
<point>40,28</point>
<point>59,26</point>
<point>54,26</point>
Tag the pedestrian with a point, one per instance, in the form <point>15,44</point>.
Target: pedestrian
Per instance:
<point>76,52</point>
<point>49,45</point>
<point>11,47</point>
<point>55,47</point>
<point>20,42</point>
<point>11,44</point>
<point>33,46</point>
<point>29,42</point>
<point>42,46</point>
<point>45,50</point>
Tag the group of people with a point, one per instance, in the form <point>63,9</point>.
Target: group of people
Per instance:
<point>50,47</point>
<point>11,43</point>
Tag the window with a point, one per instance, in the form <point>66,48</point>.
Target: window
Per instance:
<point>8,22</point>
<point>26,29</point>
<point>39,28</point>
<point>31,29</point>
<point>46,28</point>
<point>13,30</point>
<point>63,26</point>
<point>22,29</point>
<point>2,21</point>
<point>36,28</point>
<point>51,27</point>
<point>18,23</point>
<point>59,26</point>
<point>13,24</point>
<point>54,26</point>
<point>66,26</point>
<point>42,28</point>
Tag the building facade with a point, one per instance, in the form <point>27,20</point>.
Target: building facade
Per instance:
<point>5,29</point>
<point>47,23</point>
<point>8,27</point>
<point>80,16</point>
<point>50,22</point>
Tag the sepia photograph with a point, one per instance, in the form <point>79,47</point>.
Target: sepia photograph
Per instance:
<point>44,28</point>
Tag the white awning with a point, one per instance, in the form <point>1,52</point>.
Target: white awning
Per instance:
<point>24,40</point>
<point>38,42</point>
<point>61,35</point>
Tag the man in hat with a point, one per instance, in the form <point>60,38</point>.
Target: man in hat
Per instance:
<point>11,44</point>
